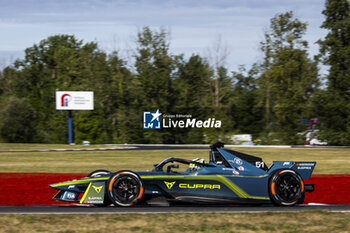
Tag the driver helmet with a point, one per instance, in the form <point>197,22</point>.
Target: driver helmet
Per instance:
<point>193,166</point>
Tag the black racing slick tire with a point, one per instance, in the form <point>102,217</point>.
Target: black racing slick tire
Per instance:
<point>98,173</point>
<point>301,200</point>
<point>125,188</point>
<point>286,188</point>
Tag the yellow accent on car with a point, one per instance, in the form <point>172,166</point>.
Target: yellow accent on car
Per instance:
<point>199,186</point>
<point>97,189</point>
<point>222,179</point>
<point>169,185</point>
<point>86,192</point>
<point>81,181</point>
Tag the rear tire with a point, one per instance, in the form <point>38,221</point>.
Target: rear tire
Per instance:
<point>286,188</point>
<point>301,200</point>
<point>124,188</point>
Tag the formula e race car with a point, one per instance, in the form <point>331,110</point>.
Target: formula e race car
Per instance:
<point>228,177</point>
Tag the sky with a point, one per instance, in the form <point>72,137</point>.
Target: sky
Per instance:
<point>194,25</point>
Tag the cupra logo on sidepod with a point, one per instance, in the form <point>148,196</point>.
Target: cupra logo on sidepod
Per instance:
<point>169,184</point>
<point>97,189</point>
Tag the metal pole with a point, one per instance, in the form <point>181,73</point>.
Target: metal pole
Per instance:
<point>70,127</point>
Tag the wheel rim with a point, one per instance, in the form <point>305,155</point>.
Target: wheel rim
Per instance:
<point>126,189</point>
<point>288,188</point>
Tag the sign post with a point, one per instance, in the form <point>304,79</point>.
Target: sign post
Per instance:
<point>74,100</point>
<point>70,127</point>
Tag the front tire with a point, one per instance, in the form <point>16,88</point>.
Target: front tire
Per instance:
<point>286,188</point>
<point>125,188</point>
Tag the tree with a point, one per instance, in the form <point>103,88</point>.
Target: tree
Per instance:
<point>155,66</point>
<point>220,91</point>
<point>122,103</point>
<point>56,63</point>
<point>289,77</point>
<point>7,77</point>
<point>192,86</point>
<point>18,121</point>
<point>333,105</point>
<point>223,83</point>
<point>62,62</point>
<point>246,112</point>
<point>217,56</point>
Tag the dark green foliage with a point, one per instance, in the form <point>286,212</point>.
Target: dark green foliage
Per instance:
<point>289,78</point>
<point>88,127</point>
<point>18,121</point>
<point>193,87</point>
<point>335,117</point>
<point>333,105</point>
<point>64,63</point>
<point>193,90</point>
<point>244,103</point>
<point>155,66</point>
<point>221,92</point>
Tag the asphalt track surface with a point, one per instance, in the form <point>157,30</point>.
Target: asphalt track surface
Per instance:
<point>163,209</point>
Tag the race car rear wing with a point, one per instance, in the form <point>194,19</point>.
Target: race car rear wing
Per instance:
<point>215,156</point>
<point>304,168</point>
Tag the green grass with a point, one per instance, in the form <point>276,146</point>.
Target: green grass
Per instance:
<point>329,161</point>
<point>309,221</point>
<point>37,146</point>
